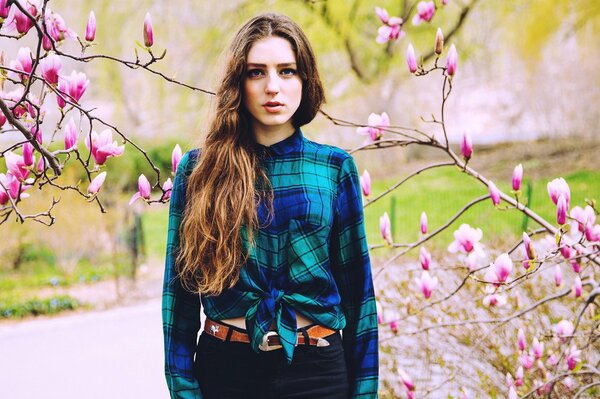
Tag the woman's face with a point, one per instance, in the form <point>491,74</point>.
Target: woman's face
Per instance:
<point>272,87</point>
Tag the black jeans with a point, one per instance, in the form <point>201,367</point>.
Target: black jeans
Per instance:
<point>232,370</point>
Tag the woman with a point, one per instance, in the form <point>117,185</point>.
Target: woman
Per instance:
<point>266,230</point>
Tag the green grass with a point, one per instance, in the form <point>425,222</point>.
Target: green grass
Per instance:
<point>441,193</point>
<point>20,289</point>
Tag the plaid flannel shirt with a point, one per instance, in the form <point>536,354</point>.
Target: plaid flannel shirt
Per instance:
<point>312,258</point>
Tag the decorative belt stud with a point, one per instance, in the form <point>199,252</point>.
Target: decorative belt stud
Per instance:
<point>214,329</point>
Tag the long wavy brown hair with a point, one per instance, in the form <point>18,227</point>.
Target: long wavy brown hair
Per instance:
<point>227,184</point>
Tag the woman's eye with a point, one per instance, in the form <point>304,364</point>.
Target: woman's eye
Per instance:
<point>254,73</point>
<point>288,71</point>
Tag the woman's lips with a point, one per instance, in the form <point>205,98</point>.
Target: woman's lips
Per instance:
<point>273,107</point>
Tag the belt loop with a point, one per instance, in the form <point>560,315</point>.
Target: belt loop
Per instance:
<point>229,332</point>
<point>306,337</point>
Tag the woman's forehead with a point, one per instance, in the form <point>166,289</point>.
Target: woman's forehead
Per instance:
<point>272,50</point>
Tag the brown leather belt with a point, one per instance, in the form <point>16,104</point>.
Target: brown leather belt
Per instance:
<point>271,341</point>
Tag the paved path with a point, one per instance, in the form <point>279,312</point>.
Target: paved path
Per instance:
<point>116,354</point>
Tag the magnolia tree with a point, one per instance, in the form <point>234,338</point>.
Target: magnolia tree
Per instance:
<point>518,322</point>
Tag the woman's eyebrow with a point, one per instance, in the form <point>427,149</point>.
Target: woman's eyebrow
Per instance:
<point>284,64</point>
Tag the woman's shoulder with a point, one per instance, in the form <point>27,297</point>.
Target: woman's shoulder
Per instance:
<point>189,159</point>
<point>334,155</point>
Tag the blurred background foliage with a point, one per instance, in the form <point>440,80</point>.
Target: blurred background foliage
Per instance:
<point>527,89</point>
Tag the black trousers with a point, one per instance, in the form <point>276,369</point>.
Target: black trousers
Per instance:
<point>232,370</point>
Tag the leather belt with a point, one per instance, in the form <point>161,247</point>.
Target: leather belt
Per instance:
<point>315,335</point>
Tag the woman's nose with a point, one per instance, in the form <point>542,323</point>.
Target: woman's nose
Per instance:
<point>272,84</point>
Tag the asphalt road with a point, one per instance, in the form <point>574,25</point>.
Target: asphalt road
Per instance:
<point>110,354</point>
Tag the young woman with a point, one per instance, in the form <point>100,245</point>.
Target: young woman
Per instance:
<point>266,231</point>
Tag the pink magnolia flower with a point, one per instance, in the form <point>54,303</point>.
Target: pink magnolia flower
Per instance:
<point>406,380</point>
<point>25,60</point>
<point>494,300</point>
<point>452,60</point>
<point>28,158</point>
<point>561,210</point>
<point>444,2</point>
<point>577,287</point>
<point>375,125</point>
<point>16,165</point>
<point>2,119</point>
<point>385,33</point>
<point>527,263</point>
<point>552,360</point>
<point>14,188</point>
<point>566,251</point>
<point>144,189</point>
<point>63,90</point>
<point>41,165</point>
<point>382,14</point>
<point>96,183</point>
<point>519,376</point>
<point>90,28</point>
<point>426,283</point>
<point>575,265</point>
<point>394,326</point>
<point>4,9</point>
<point>103,146</point>
<point>494,193</point>
<point>167,188</point>
<point>51,66</point>
<point>56,28</point>
<point>424,258</point>
<point>509,380</point>
<point>529,249</point>
<point>557,187</point>
<point>471,261</point>
<point>379,312</point>
<point>23,23</point>
<point>466,146</point>
<point>386,228</point>
<point>557,275</point>
<point>502,267</point>
<point>517,177</point>
<point>411,59</point>
<point>466,239</point>
<point>175,157</point>
<point>521,339</point>
<point>77,85</point>
<point>592,233</point>
<point>365,183</point>
<point>425,11</point>
<point>537,348</point>
<point>583,216</point>
<point>564,329</point>
<point>526,361</point>
<point>148,34</point>
<point>573,357</point>
<point>391,29</point>
<point>512,393</point>
<point>438,45</point>
<point>424,223</point>
<point>70,135</point>
<point>23,63</point>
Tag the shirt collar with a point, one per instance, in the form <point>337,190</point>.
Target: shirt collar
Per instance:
<point>285,146</point>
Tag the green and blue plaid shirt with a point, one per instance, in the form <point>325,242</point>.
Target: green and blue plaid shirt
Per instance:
<point>312,258</point>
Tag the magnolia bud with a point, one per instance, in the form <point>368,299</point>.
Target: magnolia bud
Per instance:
<point>439,42</point>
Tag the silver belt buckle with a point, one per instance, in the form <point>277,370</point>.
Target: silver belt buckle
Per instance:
<point>264,345</point>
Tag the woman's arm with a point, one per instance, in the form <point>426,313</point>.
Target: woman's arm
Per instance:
<point>180,309</point>
<point>351,267</point>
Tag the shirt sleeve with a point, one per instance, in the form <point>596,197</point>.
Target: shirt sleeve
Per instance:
<point>180,309</point>
<point>351,268</point>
